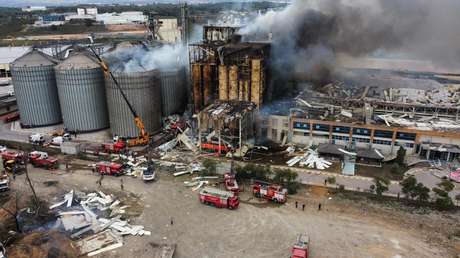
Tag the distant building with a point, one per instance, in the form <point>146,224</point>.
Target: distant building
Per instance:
<point>166,29</point>
<point>34,8</point>
<point>8,55</point>
<point>87,11</point>
<point>50,19</point>
<point>83,14</point>
<point>121,18</point>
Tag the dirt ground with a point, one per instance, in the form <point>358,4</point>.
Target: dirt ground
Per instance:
<point>343,228</point>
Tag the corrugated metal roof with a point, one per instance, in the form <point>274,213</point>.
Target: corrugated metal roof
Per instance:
<point>34,58</point>
<point>9,54</point>
<point>79,60</point>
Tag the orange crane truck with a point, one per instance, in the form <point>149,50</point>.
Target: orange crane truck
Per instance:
<point>144,136</point>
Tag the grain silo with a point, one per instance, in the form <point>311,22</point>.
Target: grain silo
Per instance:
<point>172,91</point>
<point>35,89</point>
<point>143,91</point>
<point>80,83</point>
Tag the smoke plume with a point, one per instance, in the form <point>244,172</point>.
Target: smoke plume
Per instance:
<point>141,58</point>
<point>308,34</point>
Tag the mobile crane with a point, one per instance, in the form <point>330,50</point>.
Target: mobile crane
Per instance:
<point>144,137</point>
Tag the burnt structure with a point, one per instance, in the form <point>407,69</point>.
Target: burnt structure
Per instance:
<point>226,126</point>
<point>224,68</point>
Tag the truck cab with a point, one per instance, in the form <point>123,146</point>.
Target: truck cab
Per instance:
<point>301,248</point>
<point>218,198</point>
<point>268,191</point>
<point>230,183</point>
<point>109,168</point>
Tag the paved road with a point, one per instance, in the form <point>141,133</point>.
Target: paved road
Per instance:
<point>358,183</point>
<point>306,176</point>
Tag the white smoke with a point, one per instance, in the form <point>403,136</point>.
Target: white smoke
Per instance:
<point>141,58</point>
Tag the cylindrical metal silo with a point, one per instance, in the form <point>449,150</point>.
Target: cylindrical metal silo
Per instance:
<point>172,91</point>
<point>35,89</point>
<point>80,82</point>
<point>143,92</point>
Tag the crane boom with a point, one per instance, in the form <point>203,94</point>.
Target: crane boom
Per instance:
<point>144,136</point>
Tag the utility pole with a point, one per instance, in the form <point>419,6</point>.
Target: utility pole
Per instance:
<point>184,23</point>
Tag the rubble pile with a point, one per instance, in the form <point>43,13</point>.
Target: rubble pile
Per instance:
<point>98,216</point>
<point>310,159</point>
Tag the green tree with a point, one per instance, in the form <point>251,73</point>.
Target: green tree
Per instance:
<point>252,171</point>
<point>421,193</point>
<point>457,198</point>
<point>210,167</point>
<point>408,186</point>
<point>287,178</point>
<point>396,169</point>
<point>331,180</point>
<point>443,200</point>
<point>400,156</point>
<point>380,185</point>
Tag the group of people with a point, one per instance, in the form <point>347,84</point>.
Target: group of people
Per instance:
<point>303,206</point>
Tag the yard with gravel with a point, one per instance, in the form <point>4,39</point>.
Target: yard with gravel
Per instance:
<point>345,227</point>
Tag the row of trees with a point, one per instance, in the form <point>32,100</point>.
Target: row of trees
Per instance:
<point>419,193</point>
<point>284,177</point>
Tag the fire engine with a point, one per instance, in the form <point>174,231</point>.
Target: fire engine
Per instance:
<point>212,147</point>
<point>116,147</point>
<point>11,117</point>
<point>219,198</point>
<point>301,248</point>
<point>11,155</point>
<point>230,183</point>
<point>109,168</point>
<point>41,159</point>
<point>269,191</point>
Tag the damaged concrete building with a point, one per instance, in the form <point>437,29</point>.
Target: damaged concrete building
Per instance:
<point>225,68</point>
<point>226,126</point>
<point>424,121</point>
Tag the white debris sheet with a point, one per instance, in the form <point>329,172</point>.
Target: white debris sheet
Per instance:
<point>310,159</point>
<point>98,215</point>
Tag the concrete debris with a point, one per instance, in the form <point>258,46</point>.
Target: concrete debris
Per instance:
<point>431,124</point>
<point>99,243</point>
<point>68,198</point>
<point>310,159</point>
<point>97,213</point>
<point>184,139</point>
<point>290,150</point>
<point>168,146</point>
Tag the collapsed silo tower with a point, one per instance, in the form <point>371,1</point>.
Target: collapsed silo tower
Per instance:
<point>35,89</point>
<point>80,83</point>
<point>143,92</point>
<point>173,92</point>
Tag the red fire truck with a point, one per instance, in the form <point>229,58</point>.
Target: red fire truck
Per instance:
<point>116,147</point>
<point>41,159</point>
<point>219,198</point>
<point>230,183</point>
<point>11,117</point>
<point>212,147</point>
<point>109,168</point>
<point>269,191</point>
<point>11,155</point>
<point>301,248</point>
